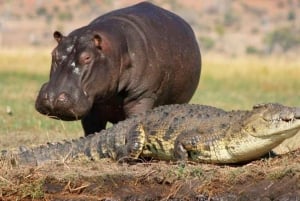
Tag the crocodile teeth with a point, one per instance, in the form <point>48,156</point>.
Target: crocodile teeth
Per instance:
<point>287,116</point>
<point>85,93</point>
<point>297,114</point>
<point>23,148</point>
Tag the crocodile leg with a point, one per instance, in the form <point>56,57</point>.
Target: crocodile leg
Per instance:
<point>135,141</point>
<point>199,145</point>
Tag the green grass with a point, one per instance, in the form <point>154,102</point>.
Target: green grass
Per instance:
<point>229,83</point>
<point>239,83</point>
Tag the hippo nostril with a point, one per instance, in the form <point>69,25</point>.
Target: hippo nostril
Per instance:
<point>62,97</point>
<point>44,103</point>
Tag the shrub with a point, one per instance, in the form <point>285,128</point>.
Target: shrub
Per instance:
<point>41,11</point>
<point>285,37</point>
<point>230,18</point>
<point>252,50</point>
<point>291,16</point>
<point>207,43</point>
<point>65,16</point>
<point>220,29</point>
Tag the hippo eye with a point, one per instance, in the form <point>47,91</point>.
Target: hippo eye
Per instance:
<point>85,58</point>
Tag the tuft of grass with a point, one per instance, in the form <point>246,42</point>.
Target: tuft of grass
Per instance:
<point>283,172</point>
<point>234,175</point>
<point>197,172</point>
<point>33,190</point>
<point>180,171</point>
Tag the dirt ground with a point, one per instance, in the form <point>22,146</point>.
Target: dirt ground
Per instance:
<point>276,178</point>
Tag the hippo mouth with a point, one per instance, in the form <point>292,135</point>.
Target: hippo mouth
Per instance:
<point>64,106</point>
<point>71,114</point>
<point>65,116</point>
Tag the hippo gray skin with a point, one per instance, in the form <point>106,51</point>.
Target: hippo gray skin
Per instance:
<point>123,63</point>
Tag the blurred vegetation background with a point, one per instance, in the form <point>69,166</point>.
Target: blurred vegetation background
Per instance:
<point>249,48</point>
<point>232,27</point>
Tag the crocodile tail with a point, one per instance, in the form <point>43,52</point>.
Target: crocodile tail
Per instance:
<point>86,147</point>
<point>109,143</point>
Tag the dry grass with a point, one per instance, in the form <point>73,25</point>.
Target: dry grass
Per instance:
<point>29,60</point>
<point>156,180</point>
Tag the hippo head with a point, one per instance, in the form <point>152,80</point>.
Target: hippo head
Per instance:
<point>79,74</point>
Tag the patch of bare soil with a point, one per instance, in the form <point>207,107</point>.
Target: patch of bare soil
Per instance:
<point>275,178</point>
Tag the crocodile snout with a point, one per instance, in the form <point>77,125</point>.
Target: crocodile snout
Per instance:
<point>289,115</point>
<point>275,112</point>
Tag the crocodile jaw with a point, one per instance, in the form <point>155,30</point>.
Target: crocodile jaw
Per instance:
<point>272,120</point>
<point>262,130</point>
<point>276,129</point>
<point>251,146</point>
<point>254,147</point>
<point>286,131</point>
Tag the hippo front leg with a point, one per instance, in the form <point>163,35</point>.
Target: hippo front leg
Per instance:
<point>140,106</point>
<point>92,123</point>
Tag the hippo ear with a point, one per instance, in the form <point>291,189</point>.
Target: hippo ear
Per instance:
<point>57,36</point>
<point>97,41</point>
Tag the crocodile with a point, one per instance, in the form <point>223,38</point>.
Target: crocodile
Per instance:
<point>183,132</point>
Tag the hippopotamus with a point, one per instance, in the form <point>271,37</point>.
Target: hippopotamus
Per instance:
<point>123,63</point>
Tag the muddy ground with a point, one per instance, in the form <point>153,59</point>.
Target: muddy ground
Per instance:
<point>275,178</point>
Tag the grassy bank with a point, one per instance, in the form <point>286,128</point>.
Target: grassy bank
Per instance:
<point>234,83</point>
<point>230,83</point>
